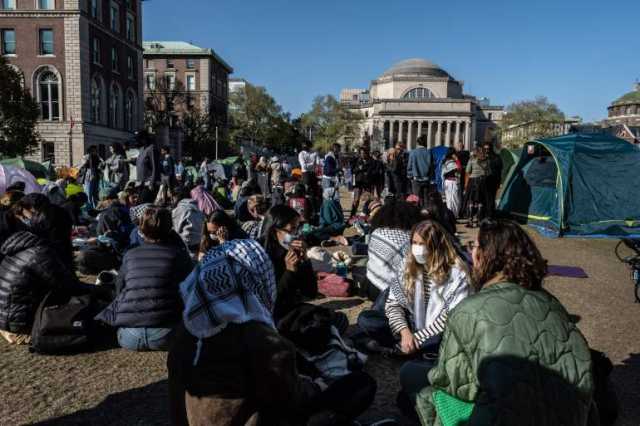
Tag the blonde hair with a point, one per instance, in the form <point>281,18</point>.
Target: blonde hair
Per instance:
<point>441,256</point>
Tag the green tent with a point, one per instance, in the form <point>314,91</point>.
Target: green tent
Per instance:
<point>510,158</point>
<point>36,169</point>
<point>576,185</point>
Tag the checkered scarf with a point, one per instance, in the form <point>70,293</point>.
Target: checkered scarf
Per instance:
<point>136,212</point>
<point>234,283</point>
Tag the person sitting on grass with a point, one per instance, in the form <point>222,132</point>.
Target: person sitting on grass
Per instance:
<point>147,305</point>
<point>510,354</point>
<point>30,268</point>
<point>228,364</point>
<point>258,207</point>
<point>218,228</point>
<point>294,274</point>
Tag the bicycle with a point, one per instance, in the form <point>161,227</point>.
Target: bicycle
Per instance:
<point>632,261</point>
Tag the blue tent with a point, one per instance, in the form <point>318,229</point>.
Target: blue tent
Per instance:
<point>584,185</point>
<point>438,153</point>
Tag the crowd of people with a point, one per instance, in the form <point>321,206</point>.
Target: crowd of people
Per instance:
<point>217,272</point>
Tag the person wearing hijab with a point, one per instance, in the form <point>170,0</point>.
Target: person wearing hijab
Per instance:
<point>229,366</point>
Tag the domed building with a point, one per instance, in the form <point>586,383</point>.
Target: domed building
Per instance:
<point>417,97</point>
<point>624,116</point>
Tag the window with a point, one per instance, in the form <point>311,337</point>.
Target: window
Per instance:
<point>96,100</point>
<point>131,30</point>
<point>114,59</point>
<point>130,112</point>
<point>191,64</point>
<point>49,96</point>
<point>48,152</point>
<point>46,42</point>
<point>95,9</point>
<point>191,82</point>
<point>170,63</point>
<point>8,4</point>
<point>150,81</point>
<point>114,106</point>
<point>115,18</point>
<point>146,63</point>
<point>46,4</point>
<point>131,73</point>
<point>8,42</point>
<point>419,93</point>
<point>96,51</point>
<point>171,81</point>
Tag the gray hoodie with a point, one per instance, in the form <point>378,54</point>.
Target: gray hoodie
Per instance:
<point>188,221</point>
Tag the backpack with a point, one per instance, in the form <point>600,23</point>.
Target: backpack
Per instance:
<point>62,324</point>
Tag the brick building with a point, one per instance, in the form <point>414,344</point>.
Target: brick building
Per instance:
<point>199,74</point>
<point>82,61</point>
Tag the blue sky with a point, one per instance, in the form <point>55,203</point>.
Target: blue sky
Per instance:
<point>581,54</point>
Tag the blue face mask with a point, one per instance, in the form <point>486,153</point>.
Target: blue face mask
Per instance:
<point>26,222</point>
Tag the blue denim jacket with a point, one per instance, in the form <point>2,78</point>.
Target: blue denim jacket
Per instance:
<point>420,164</point>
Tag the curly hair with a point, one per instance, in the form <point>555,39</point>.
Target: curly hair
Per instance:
<point>505,248</point>
<point>396,214</point>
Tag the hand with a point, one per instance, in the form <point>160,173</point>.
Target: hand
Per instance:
<point>407,343</point>
<point>291,261</point>
<point>223,234</point>
<point>300,247</point>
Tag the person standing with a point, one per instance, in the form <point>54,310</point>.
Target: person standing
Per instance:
<point>118,166</point>
<point>451,169</point>
<point>308,160</point>
<point>330,167</point>
<point>167,173</point>
<point>148,164</point>
<point>180,173</point>
<point>420,169</point>
<point>377,174</point>
<point>476,199</point>
<point>204,172</point>
<point>239,172</point>
<point>90,172</point>
<point>362,176</point>
<point>494,175</point>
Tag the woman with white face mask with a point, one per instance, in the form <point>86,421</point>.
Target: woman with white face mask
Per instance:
<point>288,252</point>
<point>435,279</point>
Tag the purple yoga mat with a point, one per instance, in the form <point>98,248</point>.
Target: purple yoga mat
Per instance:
<point>567,271</point>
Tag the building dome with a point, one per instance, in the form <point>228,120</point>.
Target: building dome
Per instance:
<point>416,67</point>
<point>632,97</point>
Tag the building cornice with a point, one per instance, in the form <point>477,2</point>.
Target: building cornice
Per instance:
<point>425,79</point>
<point>39,13</point>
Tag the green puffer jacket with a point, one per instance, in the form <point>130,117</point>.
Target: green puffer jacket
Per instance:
<point>518,357</point>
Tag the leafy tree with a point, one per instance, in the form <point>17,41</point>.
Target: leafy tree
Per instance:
<point>252,114</point>
<point>163,104</point>
<point>257,118</point>
<point>199,134</point>
<point>18,114</point>
<point>329,121</point>
<point>539,115</point>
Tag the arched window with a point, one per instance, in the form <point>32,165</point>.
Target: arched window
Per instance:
<point>130,112</point>
<point>49,96</point>
<point>96,100</point>
<point>114,106</point>
<point>419,93</point>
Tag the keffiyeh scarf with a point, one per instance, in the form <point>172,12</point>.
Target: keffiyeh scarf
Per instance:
<point>387,249</point>
<point>234,283</point>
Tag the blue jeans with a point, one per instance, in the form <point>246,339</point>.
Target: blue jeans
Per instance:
<point>92,189</point>
<point>328,182</point>
<point>145,339</point>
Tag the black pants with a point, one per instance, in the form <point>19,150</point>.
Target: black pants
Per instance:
<point>375,325</point>
<point>398,183</point>
<point>357,194</point>
<point>421,189</point>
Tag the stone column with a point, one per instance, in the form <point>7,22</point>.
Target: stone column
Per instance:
<point>438,133</point>
<point>467,135</point>
<point>419,131</point>
<point>457,139</point>
<point>429,138</point>
<point>391,138</point>
<point>410,144</point>
<point>400,131</point>
<point>447,141</point>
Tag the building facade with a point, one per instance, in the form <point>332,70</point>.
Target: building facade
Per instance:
<point>82,62</point>
<point>198,74</point>
<point>624,116</point>
<point>518,134</point>
<point>416,97</point>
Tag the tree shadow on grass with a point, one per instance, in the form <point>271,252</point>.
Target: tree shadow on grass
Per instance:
<point>147,405</point>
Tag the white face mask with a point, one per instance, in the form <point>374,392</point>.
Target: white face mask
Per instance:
<point>419,253</point>
<point>287,239</point>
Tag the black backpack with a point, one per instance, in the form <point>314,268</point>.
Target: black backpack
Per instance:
<point>62,324</point>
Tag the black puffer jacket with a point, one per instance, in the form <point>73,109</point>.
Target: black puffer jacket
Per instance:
<point>30,268</point>
<point>148,287</point>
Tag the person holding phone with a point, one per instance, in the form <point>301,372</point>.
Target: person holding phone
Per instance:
<point>288,252</point>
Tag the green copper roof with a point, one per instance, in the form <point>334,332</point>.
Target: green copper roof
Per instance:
<point>631,97</point>
<point>176,48</point>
